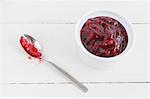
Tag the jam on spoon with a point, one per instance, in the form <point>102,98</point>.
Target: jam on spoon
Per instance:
<point>104,36</point>
<point>30,48</point>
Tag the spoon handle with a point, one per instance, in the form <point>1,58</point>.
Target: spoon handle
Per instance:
<point>75,81</point>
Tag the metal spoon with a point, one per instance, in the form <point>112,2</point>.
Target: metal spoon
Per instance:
<point>34,42</point>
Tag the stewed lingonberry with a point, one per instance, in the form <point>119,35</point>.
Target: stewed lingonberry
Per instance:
<point>30,48</point>
<point>104,36</point>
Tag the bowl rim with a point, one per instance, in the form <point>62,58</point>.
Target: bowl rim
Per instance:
<point>126,24</point>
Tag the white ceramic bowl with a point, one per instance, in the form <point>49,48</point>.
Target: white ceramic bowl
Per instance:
<point>92,59</point>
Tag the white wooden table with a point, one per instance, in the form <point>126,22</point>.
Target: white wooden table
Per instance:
<point>53,24</point>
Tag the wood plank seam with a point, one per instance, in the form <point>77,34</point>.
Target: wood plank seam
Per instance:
<point>57,23</point>
<point>45,83</point>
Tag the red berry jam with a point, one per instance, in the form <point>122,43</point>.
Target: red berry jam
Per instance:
<point>104,36</point>
<point>29,48</point>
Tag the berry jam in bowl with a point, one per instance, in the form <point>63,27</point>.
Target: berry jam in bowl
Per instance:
<point>103,37</point>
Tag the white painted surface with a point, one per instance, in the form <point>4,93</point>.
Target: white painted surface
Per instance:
<point>53,24</point>
<point>68,11</point>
